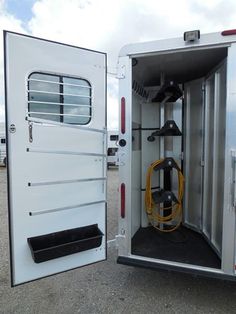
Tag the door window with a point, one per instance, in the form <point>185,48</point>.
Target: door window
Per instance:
<point>59,98</point>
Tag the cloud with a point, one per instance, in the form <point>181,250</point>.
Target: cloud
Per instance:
<point>108,25</point>
<point>7,22</point>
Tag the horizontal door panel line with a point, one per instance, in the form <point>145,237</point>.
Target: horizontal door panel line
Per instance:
<point>58,83</point>
<point>58,103</point>
<point>45,122</point>
<point>47,211</point>
<point>54,93</point>
<point>66,181</point>
<point>64,152</point>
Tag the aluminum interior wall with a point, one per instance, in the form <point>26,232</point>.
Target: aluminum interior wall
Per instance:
<point>214,147</point>
<point>193,96</point>
<point>136,165</point>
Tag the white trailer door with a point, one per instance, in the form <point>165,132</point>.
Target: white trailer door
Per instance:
<point>56,105</point>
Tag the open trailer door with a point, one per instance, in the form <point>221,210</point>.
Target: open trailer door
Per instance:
<point>56,141</point>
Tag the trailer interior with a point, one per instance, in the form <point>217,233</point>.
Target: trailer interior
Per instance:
<point>178,121</point>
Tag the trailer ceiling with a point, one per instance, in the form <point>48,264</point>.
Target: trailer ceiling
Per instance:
<point>177,66</point>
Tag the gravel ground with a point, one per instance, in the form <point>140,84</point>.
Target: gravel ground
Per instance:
<point>107,287</point>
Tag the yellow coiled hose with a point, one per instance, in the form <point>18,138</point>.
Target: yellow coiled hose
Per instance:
<point>153,211</point>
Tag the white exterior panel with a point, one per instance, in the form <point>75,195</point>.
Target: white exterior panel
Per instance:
<point>46,194</point>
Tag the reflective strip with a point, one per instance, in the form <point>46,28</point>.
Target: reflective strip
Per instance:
<point>122,200</point>
<point>229,32</point>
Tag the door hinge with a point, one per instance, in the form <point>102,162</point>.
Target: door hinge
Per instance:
<point>121,72</point>
<point>115,242</point>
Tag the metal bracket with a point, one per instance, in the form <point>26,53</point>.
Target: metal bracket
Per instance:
<point>115,242</point>
<point>112,71</point>
<point>12,128</point>
<point>121,72</point>
<point>31,132</point>
<point>120,161</point>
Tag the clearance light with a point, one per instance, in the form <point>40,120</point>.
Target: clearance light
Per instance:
<point>192,35</point>
<point>229,32</point>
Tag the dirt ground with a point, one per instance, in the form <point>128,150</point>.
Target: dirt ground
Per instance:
<point>107,287</point>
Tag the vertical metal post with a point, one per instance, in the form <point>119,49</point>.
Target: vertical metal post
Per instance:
<point>216,144</point>
<point>168,152</point>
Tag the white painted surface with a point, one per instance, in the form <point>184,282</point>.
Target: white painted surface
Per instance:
<point>35,167</point>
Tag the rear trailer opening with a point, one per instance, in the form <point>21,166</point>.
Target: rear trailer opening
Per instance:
<point>178,147</point>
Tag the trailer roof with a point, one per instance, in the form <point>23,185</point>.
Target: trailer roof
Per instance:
<point>211,39</point>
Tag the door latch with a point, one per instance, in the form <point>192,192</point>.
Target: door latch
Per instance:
<point>12,128</point>
<point>31,132</point>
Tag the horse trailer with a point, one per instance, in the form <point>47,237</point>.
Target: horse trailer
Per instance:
<point>176,157</point>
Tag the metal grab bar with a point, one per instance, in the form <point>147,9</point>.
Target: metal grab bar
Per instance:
<point>64,152</point>
<point>62,124</point>
<point>47,211</point>
<point>66,181</point>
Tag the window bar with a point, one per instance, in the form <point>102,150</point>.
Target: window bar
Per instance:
<point>58,114</point>
<point>61,99</point>
<point>57,103</point>
<point>52,82</point>
<point>53,93</point>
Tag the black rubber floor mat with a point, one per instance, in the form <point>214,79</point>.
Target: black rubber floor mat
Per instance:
<point>182,245</point>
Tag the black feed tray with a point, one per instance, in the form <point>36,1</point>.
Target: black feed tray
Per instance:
<point>66,242</point>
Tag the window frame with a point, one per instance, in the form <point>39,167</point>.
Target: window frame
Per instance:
<point>60,104</point>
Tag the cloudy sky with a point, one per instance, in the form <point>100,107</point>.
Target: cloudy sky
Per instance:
<point>107,25</point>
